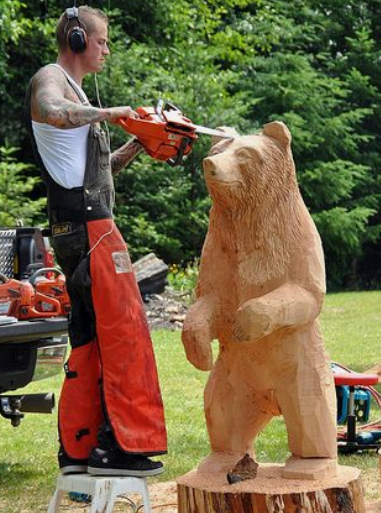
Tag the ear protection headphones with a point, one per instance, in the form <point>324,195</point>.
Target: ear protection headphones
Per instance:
<point>76,35</point>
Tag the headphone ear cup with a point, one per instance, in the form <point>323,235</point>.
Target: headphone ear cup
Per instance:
<point>77,39</point>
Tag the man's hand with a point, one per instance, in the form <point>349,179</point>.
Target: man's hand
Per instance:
<point>115,113</point>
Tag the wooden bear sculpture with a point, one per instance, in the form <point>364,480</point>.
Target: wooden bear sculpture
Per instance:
<point>260,291</point>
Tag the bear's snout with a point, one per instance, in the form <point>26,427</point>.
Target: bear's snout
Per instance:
<point>209,167</point>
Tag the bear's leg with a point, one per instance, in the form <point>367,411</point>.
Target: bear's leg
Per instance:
<point>235,414</point>
<point>308,403</point>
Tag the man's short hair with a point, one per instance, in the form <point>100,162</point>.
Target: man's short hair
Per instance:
<point>87,17</point>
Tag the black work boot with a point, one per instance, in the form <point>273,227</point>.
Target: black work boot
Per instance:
<point>70,465</point>
<point>118,463</point>
<point>106,438</point>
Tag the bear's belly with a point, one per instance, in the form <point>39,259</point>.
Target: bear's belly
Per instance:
<point>274,360</point>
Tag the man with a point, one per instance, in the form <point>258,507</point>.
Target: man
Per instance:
<point>110,415</point>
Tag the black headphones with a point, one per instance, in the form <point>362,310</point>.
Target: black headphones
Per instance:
<point>76,35</point>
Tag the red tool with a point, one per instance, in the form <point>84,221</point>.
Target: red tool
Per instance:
<point>19,299</point>
<point>51,282</point>
<point>165,133</point>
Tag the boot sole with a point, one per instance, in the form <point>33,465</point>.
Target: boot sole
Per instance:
<point>74,469</point>
<point>124,472</point>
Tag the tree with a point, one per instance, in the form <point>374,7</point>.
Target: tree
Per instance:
<point>15,191</point>
<point>321,77</point>
<point>314,64</point>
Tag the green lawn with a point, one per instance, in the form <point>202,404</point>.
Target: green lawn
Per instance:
<point>352,328</point>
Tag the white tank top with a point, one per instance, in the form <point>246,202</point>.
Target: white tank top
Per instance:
<point>64,151</point>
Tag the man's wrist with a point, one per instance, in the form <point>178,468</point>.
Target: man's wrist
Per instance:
<point>138,145</point>
<point>135,140</point>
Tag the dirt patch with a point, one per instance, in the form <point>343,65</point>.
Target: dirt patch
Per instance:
<point>371,484</point>
<point>163,498</point>
<point>373,507</point>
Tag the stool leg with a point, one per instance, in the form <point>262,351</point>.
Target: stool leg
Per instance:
<point>101,500</point>
<point>110,503</point>
<point>55,501</point>
<point>145,498</point>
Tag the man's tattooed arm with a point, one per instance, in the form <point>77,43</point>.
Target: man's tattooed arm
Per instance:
<point>51,105</point>
<point>125,155</point>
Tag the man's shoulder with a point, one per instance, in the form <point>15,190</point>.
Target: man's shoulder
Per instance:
<point>49,73</point>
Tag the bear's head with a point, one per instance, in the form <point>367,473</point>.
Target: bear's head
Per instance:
<point>256,209</point>
<point>251,170</point>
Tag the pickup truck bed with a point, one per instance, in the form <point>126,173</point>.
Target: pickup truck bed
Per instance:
<point>31,350</point>
<point>27,331</point>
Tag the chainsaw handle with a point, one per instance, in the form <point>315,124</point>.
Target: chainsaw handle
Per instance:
<point>124,124</point>
<point>3,278</point>
<point>178,160</point>
<point>159,109</point>
<point>171,106</point>
<point>43,271</point>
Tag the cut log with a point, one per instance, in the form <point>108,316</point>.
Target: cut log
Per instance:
<point>270,493</point>
<point>151,274</point>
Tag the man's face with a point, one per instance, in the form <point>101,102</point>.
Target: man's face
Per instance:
<point>97,48</point>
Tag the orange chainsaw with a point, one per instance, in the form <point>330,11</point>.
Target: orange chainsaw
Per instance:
<point>51,282</point>
<point>19,299</point>
<point>165,133</point>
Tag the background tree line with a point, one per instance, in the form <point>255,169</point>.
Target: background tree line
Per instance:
<point>316,65</point>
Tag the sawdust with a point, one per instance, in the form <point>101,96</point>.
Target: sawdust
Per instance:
<point>373,507</point>
<point>371,482</point>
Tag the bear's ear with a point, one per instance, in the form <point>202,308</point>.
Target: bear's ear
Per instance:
<point>278,130</point>
<point>227,130</point>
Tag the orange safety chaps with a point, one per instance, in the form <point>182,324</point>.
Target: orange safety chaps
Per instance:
<point>119,363</point>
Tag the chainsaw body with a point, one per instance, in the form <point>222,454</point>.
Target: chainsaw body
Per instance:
<point>19,299</point>
<point>165,133</point>
<point>51,282</point>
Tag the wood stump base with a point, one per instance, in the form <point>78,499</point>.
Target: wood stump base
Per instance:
<point>269,492</point>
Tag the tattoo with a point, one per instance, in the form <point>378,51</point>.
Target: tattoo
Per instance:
<point>54,102</point>
<point>67,115</point>
<point>125,155</point>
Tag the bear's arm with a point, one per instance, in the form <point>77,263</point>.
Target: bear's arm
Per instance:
<point>197,334</point>
<point>288,306</point>
<point>202,318</point>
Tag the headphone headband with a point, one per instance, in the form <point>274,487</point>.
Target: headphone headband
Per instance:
<point>72,12</point>
<point>76,35</point>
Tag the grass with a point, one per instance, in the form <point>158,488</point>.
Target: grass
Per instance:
<point>28,469</point>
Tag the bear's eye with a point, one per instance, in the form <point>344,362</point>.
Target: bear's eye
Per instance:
<point>243,155</point>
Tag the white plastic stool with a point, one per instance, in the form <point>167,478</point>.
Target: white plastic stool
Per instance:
<point>103,490</point>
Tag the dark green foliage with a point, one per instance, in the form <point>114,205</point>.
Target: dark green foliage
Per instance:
<point>316,65</point>
<point>15,191</point>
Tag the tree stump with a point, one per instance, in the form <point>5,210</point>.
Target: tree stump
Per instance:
<point>270,493</point>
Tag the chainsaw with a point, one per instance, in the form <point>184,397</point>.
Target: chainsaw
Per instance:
<point>51,282</point>
<point>19,299</point>
<point>165,133</point>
